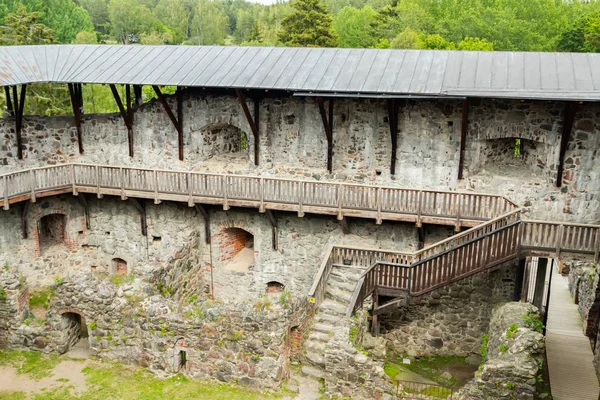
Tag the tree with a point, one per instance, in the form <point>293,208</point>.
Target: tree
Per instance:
<point>129,19</point>
<point>407,39</point>
<point>470,43</point>
<point>209,25</point>
<point>173,15</point>
<point>22,27</point>
<point>352,27</point>
<point>98,12</point>
<point>592,33</point>
<point>436,42</point>
<point>66,18</point>
<point>309,25</point>
<point>86,38</point>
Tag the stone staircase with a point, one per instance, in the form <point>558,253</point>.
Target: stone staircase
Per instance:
<point>330,322</point>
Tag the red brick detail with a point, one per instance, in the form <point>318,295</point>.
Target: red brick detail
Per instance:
<point>232,241</point>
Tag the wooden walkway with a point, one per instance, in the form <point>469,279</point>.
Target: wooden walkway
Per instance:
<point>570,357</point>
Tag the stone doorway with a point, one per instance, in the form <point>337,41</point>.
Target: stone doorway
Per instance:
<point>75,331</point>
<point>52,231</point>
<point>237,249</point>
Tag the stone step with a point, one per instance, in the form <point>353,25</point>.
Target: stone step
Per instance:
<point>346,274</point>
<point>319,337</point>
<point>328,319</point>
<point>329,306</point>
<point>342,285</point>
<point>343,296</point>
<point>315,359</point>
<point>315,346</point>
<point>313,371</point>
<point>321,327</point>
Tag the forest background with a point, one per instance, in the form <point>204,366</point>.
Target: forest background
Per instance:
<point>511,25</point>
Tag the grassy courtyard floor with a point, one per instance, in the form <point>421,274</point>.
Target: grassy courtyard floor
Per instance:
<point>32,375</point>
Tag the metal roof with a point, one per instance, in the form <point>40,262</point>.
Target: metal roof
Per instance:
<point>560,76</point>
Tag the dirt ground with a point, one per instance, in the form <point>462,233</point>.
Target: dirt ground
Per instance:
<point>67,373</point>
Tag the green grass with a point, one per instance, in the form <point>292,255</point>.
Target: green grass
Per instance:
<point>41,298</point>
<point>36,365</point>
<point>113,381</point>
<point>432,367</point>
<point>391,370</point>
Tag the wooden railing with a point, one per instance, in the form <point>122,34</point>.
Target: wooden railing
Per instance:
<point>341,199</point>
<point>492,243</point>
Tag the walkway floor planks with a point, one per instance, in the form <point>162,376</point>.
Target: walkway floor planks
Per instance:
<point>570,357</point>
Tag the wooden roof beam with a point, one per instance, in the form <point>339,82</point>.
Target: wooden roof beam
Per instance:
<point>77,104</point>
<point>568,120</point>
<point>253,121</point>
<point>463,138</point>
<point>328,127</point>
<point>127,115</point>
<point>19,105</point>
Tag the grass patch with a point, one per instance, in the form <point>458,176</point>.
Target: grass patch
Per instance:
<point>41,298</point>
<point>35,365</point>
<point>391,370</point>
<point>433,367</point>
<point>112,381</point>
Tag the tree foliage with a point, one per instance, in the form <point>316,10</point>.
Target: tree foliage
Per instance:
<point>352,27</point>
<point>309,25</point>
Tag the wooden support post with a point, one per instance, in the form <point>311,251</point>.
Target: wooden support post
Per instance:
<point>463,138</point>
<point>9,105</point>
<point>77,105</point>
<point>86,209</point>
<point>345,225</point>
<point>273,222</point>
<point>177,121</point>
<point>569,118</point>
<point>252,121</point>
<point>19,105</point>
<point>127,115</point>
<point>137,94</point>
<point>201,210</point>
<point>375,318</point>
<point>141,207</point>
<point>393,120</point>
<point>24,212</point>
<point>328,127</point>
<point>540,281</point>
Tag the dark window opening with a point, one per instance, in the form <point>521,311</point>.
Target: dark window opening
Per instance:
<point>52,231</point>
<point>275,287</point>
<point>182,359</point>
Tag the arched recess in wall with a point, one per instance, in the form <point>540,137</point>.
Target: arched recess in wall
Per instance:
<point>236,248</point>
<point>74,330</point>
<point>220,141</point>
<point>508,156</point>
<point>119,267</point>
<point>52,232</point>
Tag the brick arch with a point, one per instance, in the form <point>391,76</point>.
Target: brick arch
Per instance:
<point>73,311</point>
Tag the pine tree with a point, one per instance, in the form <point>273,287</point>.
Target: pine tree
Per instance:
<point>309,25</point>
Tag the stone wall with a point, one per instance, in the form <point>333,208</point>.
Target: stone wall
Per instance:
<point>14,303</point>
<point>583,285</point>
<point>515,352</point>
<point>293,144</point>
<point>451,320</point>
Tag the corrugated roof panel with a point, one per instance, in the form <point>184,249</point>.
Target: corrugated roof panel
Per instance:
<point>516,71</point>
<point>499,70</point>
<point>313,57</point>
<point>285,62</point>
<point>219,60</point>
<point>406,73</point>
<point>29,64</point>
<point>198,69</point>
<point>177,70</point>
<point>229,66</point>
<point>594,62</point>
<point>549,78</point>
<point>391,73</point>
<point>112,72</point>
<point>247,67</point>
<point>268,65</point>
<point>319,70</point>
<point>566,77</point>
<point>582,72</point>
<point>468,70</point>
<point>363,70</point>
<point>350,70</point>
<point>337,67</point>
<point>90,64</point>
<point>15,70</point>
<point>419,81</point>
<point>532,71</point>
<point>504,74</point>
<point>452,73</point>
<point>436,73</point>
<point>483,78</point>
<point>164,61</point>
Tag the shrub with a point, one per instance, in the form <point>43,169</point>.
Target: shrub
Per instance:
<point>483,348</point>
